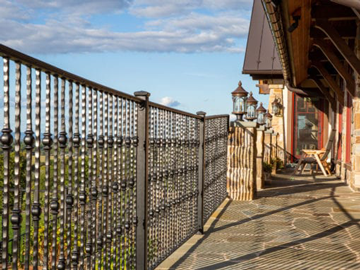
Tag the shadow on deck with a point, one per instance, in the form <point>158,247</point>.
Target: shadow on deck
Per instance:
<point>302,222</point>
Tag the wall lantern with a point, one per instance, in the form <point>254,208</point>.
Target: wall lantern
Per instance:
<point>251,108</point>
<point>276,106</point>
<point>268,120</point>
<point>261,111</point>
<point>239,97</point>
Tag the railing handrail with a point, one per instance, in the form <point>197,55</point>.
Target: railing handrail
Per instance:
<point>216,116</point>
<point>53,70</point>
<point>38,64</point>
<point>163,107</point>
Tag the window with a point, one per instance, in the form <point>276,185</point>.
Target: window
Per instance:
<point>308,123</point>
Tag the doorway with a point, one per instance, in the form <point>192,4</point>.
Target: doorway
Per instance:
<point>308,124</point>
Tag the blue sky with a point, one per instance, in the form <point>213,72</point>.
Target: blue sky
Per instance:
<point>187,53</point>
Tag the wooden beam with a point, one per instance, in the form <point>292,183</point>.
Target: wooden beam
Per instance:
<point>349,3</point>
<point>307,92</point>
<point>263,87</point>
<point>347,32</point>
<point>324,91</point>
<point>332,12</point>
<point>334,60</point>
<point>315,53</point>
<point>357,13</point>
<point>299,39</point>
<point>331,82</point>
<point>339,43</point>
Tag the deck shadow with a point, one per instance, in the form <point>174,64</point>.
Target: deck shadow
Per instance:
<point>283,190</point>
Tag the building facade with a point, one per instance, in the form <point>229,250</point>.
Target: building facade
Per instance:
<point>305,55</point>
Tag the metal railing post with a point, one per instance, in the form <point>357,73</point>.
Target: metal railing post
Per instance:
<point>142,180</point>
<point>228,123</point>
<point>201,178</point>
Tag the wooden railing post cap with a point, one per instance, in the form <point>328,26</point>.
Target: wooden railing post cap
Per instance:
<point>201,113</point>
<point>143,94</point>
<point>269,131</point>
<point>244,124</point>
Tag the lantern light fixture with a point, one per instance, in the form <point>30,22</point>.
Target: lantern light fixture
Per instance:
<point>239,97</point>
<point>268,120</point>
<point>261,111</point>
<point>276,106</point>
<point>251,108</point>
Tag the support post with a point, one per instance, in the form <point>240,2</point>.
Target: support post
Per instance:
<point>274,151</point>
<point>241,168</point>
<point>267,153</point>
<point>201,177</point>
<point>142,180</point>
<point>355,151</point>
<point>260,157</point>
<point>268,145</point>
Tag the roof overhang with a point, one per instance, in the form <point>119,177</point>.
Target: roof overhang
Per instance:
<point>321,30</point>
<point>261,58</point>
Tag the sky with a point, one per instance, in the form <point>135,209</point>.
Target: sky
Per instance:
<point>187,53</point>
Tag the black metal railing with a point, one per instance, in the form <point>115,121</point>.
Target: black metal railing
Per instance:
<point>173,181</point>
<point>216,136</point>
<point>93,178</point>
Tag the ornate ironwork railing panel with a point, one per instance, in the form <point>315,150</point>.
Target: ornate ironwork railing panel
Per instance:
<point>69,178</point>
<point>173,181</point>
<point>93,178</point>
<point>216,135</point>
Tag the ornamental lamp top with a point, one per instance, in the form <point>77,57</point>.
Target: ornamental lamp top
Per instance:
<point>268,115</point>
<point>275,102</point>
<point>251,100</point>
<point>239,91</point>
<point>261,108</point>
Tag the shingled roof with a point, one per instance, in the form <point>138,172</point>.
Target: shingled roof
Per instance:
<point>261,57</point>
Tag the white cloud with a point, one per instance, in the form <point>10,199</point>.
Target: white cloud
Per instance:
<point>223,24</point>
<point>156,8</point>
<point>78,6</point>
<point>10,10</point>
<point>170,102</point>
<point>227,4</point>
<point>66,28</point>
<point>160,8</point>
<point>202,34</point>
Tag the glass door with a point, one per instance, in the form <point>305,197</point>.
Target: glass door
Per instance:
<point>308,124</point>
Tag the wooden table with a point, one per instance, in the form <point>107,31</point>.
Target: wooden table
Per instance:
<point>314,154</point>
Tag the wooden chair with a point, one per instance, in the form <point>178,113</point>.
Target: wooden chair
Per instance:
<point>317,157</point>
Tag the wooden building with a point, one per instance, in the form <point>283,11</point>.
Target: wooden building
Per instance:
<point>306,55</point>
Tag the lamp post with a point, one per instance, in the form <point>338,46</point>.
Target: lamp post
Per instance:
<point>239,97</point>
<point>251,108</point>
<point>268,120</point>
<point>261,111</point>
